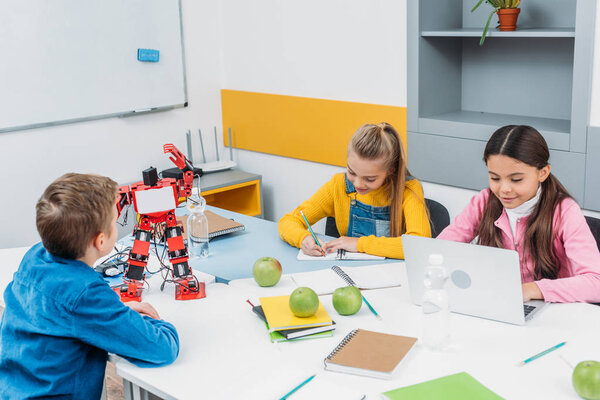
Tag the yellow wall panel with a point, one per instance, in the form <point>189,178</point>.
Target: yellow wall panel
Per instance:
<point>300,127</point>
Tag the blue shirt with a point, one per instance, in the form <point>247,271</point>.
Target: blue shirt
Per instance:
<point>60,321</point>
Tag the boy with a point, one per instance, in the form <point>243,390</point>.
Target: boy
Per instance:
<point>61,318</point>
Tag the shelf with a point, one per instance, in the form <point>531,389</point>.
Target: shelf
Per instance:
<point>479,126</point>
<point>520,32</point>
<point>243,198</point>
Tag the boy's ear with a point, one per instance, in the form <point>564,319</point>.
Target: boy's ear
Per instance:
<point>98,241</point>
<point>544,173</point>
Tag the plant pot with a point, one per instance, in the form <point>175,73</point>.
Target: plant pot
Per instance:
<point>508,18</point>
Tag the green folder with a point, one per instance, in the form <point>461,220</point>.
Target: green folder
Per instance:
<point>461,386</point>
<point>278,337</point>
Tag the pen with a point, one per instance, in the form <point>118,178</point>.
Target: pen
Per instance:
<point>297,387</point>
<point>538,355</point>
<point>311,231</point>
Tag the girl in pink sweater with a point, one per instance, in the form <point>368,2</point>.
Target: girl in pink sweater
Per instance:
<point>528,210</point>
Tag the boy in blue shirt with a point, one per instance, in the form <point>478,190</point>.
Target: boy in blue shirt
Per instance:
<point>61,318</point>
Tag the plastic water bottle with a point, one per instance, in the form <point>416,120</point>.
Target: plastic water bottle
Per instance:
<point>436,312</point>
<point>197,226</point>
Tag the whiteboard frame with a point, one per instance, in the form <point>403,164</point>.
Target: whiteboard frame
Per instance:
<point>122,113</point>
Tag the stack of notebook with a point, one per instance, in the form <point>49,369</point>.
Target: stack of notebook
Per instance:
<point>283,325</point>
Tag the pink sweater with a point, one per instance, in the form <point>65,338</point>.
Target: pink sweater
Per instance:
<point>578,255</point>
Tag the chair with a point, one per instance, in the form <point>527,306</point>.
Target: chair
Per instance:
<point>594,224</point>
<point>438,216</point>
<point>439,219</point>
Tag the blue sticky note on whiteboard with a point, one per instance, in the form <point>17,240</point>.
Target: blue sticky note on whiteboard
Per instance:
<point>150,55</point>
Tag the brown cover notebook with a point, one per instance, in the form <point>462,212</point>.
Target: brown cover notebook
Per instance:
<point>217,225</point>
<point>369,353</point>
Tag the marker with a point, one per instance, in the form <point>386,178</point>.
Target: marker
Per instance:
<point>311,231</point>
<point>538,355</point>
<point>298,387</point>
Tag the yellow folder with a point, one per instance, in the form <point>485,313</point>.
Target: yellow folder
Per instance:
<point>279,316</point>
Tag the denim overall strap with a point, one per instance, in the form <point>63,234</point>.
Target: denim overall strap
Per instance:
<point>365,220</point>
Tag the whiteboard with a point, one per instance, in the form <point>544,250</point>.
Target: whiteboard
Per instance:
<point>63,61</point>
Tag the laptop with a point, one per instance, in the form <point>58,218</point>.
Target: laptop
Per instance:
<point>482,281</point>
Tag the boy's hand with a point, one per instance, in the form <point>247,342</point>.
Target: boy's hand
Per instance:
<point>344,242</point>
<point>310,248</point>
<point>143,309</point>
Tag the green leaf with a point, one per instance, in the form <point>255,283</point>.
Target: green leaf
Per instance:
<point>485,29</point>
<point>478,4</point>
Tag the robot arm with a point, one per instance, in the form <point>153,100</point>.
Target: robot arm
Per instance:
<point>123,198</point>
<point>184,185</point>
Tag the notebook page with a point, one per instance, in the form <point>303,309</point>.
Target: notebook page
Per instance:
<point>366,277</point>
<point>334,256</point>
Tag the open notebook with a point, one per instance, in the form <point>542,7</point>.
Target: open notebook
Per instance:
<point>338,255</point>
<point>325,281</point>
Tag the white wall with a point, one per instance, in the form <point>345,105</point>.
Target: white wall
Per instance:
<point>118,147</point>
<point>351,50</point>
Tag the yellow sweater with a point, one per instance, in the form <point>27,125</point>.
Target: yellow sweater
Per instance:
<point>331,200</point>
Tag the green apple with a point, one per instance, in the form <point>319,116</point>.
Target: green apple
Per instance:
<point>304,302</point>
<point>347,300</point>
<point>266,271</point>
<point>586,380</point>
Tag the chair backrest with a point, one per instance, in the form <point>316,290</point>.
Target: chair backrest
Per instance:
<point>331,228</point>
<point>594,224</point>
<point>440,218</point>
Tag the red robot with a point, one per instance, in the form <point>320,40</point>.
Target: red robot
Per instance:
<point>155,201</point>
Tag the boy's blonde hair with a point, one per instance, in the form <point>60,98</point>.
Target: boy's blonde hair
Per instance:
<point>73,210</point>
<point>382,142</point>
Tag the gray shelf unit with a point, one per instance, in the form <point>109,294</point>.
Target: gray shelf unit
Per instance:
<point>459,93</point>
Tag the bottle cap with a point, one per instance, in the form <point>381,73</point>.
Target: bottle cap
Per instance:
<point>436,259</point>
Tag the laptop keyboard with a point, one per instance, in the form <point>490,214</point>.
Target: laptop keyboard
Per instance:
<point>528,309</point>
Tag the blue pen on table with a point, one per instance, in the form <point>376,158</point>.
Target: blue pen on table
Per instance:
<point>297,387</point>
<point>311,231</point>
<point>538,355</point>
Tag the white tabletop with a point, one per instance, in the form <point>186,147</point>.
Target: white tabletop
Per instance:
<point>10,259</point>
<point>226,351</point>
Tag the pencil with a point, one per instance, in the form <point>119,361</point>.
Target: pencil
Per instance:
<point>371,307</point>
<point>311,231</point>
<point>297,387</point>
<point>538,355</point>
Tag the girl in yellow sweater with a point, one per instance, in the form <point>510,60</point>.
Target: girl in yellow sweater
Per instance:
<point>373,203</point>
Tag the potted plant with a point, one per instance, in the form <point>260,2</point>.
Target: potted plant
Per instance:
<point>507,11</point>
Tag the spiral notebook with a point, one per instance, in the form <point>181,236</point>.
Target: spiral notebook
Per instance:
<point>369,353</point>
<point>325,281</point>
<point>217,225</point>
<point>340,254</point>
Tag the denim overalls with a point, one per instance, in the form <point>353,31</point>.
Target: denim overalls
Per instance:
<point>366,220</point>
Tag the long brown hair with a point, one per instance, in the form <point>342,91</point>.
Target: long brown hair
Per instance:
<point>526,144</point>
<point>373,142</point>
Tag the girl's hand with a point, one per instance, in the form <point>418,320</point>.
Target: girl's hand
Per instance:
<point>310,248</point>
<point>344,242</point>
<point>143,309</point>
<point>531,291</point>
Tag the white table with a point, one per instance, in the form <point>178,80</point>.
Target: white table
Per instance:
<point>10,259</point>
<point>226,352</point>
